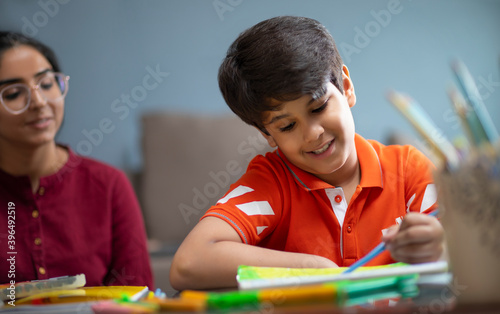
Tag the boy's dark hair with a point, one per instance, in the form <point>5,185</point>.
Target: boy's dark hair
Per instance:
<point>282,58</point>
<point>11,39</point>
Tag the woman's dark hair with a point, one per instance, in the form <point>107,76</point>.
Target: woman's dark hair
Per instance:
<point>282,58</point>
<point>11,39</point>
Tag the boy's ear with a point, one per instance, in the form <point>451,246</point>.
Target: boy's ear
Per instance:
<point>269,138</point>
<point>348,87</point>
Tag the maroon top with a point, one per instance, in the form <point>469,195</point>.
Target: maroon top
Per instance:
<point>83,219</point>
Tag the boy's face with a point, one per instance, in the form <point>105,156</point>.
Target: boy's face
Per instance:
<point>316,135</point>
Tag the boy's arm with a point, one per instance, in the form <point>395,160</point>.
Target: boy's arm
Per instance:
<point>210,255</point>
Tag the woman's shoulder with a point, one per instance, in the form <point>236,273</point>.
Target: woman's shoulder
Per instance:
<point>89,167</point>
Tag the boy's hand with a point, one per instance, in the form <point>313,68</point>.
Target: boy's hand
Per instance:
<point>419,239</point>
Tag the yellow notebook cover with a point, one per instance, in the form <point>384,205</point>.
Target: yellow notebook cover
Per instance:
<point>86,294</point>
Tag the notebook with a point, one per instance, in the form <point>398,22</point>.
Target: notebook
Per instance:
<point>251,277</point>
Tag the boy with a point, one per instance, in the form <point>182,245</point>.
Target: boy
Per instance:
<point>326,196</point>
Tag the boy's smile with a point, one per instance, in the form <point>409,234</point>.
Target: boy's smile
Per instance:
<point>324,150</point>
<point>317,135</point>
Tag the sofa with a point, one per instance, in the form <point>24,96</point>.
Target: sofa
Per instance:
<point>189,162</point>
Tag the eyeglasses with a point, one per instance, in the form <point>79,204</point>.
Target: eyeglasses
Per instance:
<point>51,86</point>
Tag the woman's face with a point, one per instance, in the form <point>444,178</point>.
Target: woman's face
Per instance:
<point>39,124</point>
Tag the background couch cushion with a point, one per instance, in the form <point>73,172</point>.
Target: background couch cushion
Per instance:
<point>189,163</point>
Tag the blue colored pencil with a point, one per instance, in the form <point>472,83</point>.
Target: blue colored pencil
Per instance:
<point>426,128</point>
<point>486,133</point>
<point>374,253</point>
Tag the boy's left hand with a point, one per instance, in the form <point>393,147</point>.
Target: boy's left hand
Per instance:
<point>418,239</point>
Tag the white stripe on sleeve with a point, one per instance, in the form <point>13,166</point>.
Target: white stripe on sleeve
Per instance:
<point>260,229</point>
<point>430,197</point>
<point>256,208</point>
<point>240,190</point>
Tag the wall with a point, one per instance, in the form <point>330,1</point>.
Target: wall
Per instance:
<point>129,57</point>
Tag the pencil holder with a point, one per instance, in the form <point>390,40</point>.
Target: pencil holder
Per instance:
<point>469,199</point>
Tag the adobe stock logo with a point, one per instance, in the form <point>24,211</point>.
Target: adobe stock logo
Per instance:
<point>49,9</point>
<point>223,6</point>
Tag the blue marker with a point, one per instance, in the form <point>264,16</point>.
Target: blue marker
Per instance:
<point>159,294</point>
<point>374,253</point>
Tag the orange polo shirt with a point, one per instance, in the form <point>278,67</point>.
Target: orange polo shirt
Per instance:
<point>276,205</point>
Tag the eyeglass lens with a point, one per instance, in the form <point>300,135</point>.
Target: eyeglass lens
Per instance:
<point>51,86</point>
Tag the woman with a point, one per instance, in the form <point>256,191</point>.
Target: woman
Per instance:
<point>60,214</point>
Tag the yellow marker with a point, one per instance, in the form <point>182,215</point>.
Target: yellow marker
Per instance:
<point>427,129</point>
